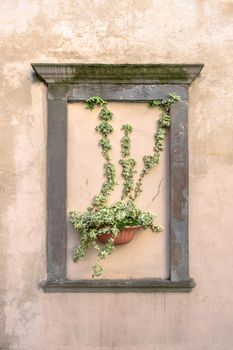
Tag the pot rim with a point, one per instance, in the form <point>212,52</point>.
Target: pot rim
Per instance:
<point>137,226</point>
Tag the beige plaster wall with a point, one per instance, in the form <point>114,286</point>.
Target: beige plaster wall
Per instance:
<point>139,31</point>
<point>148,254</point>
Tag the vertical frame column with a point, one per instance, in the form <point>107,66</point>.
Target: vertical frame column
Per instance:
<point>56,186</point>
<point>179,254</point>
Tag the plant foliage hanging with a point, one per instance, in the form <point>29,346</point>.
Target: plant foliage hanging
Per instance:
<point>100,219</point>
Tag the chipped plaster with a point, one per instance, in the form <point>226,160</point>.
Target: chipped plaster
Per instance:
<point>115,32</point>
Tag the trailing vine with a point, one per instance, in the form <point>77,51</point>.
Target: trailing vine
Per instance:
<point>99,218</point>
<point>104,129</point>
<point>164,122</point>
<point>128,164</point>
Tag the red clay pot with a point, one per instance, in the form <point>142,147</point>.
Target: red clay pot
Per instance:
<point>124,236</point>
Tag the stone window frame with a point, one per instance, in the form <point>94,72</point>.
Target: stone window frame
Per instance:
<point>68,83</point>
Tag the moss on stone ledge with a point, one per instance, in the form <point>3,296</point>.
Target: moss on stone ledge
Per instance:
<point>130,73</point>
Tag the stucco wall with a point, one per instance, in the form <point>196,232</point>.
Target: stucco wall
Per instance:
<point>148,254</point>
<point>139,31</point>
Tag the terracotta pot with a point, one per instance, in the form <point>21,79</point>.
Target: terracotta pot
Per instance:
<point>124,236</point>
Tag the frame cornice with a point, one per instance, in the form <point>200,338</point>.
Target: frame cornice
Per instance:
<point>77,82</point>
<point>117,73</point>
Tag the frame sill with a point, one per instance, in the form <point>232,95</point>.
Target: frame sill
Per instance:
<point>149,285</point>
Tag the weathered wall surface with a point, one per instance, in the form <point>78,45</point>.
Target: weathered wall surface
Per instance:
<point>148,254</point>
<point>139,31</point>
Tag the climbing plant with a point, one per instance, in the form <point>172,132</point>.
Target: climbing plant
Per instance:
<point>100,218</point>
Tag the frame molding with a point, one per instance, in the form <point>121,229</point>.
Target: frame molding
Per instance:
<point>77,82</point>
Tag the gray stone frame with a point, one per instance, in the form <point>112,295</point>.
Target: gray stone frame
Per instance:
<point>77,82</point>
